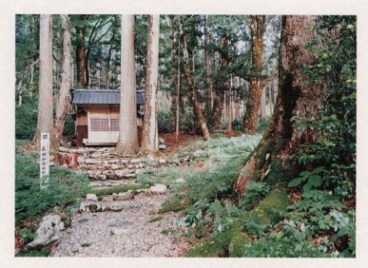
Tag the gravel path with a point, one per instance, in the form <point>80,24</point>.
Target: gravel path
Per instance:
<point>137,231</point>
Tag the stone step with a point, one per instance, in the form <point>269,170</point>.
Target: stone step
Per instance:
<point>118,201</point>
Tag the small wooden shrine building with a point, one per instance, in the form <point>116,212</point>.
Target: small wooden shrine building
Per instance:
<point>97,116</point>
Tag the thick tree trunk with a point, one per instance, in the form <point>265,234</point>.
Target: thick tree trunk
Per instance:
<point>150,132</point>
<point>218,106</point>
<point>196,104</point>
<point>64,105</point>
<point>128,132</point>
<point>296,96</point>
<point>257,28</point>
<point>81,53</point>
<point>45,121</point>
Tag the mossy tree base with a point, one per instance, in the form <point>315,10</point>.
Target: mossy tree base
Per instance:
<point>297,97</point>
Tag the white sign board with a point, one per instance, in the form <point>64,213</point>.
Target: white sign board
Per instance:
<point>44,160</point>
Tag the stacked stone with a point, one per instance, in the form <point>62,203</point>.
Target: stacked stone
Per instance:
<point>102,164</point>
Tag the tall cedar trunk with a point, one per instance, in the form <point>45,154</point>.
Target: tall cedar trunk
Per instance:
<point>150,132</point>
<point>296,96</point>
<point>221,88</point>
<point>128,133</point>
<point>207,60</point>
<point>108,74</point>
<point>257,28</point>
<point>230,107</point>
<point>63,106</point>
<point>196,104</point>
<point>175,75</point>
<point>81,53</point>
<point>45,101</point>
<point>177,112</point>
<point>218,106</point>
<point>91,38</point>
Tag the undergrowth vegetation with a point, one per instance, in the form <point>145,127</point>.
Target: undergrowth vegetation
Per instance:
<point>31,202</point>
<point>315,215</point>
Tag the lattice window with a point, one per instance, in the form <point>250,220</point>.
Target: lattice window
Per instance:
<point>114,124</point>
<point>99,124</point>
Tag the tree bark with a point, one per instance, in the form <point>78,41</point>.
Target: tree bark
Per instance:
<point>257,28</point>
<point>193,92</point>
<point>221,86</point>
<point>81,52</point>
<point>128,132</point>
<point>64,105</point>
<point>177,111</point>
<point>230,107</point>
<point>263,106</point>
<point>296,97</point>
<point>218,106</point>
<point>150,129</point>
<point>45,100</point>
<point>175,75</point>
<point>108,75</point>
<point>207,60</point>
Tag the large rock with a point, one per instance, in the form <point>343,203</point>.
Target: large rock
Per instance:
<point>123,196</point>
<point>119,231</point>
<point>122,172</point>
<point>91,206</point>
<point>107,198</point>
<point>135,161</point>
<point>101,177</point>
<point>158,189</point>
<point>162,161</point>
<point>114,161</point>
<point>115,166</point>
<point>47,232</point>
<point>91,197</point>
<point>162,147</point>
<point>131,175</point>
<point>91,161</point>
<point>81,160</point>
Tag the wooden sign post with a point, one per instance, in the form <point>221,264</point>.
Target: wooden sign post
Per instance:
<point>44,160</point>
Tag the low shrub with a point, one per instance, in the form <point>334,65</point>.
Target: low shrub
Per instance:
<point>165,121</point>
<point>64,188</point>
<point>25,120</point>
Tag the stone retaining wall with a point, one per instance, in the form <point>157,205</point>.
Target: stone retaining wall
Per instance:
<point>103,164</point>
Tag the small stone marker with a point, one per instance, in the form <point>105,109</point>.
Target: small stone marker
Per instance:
<point>44,160</point>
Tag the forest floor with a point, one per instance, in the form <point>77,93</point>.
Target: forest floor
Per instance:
<point>141,230</point>
<point>155,224</point>
<point>136,232</point>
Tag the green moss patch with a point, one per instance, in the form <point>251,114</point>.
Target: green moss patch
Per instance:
<point>176,205</point>
<point>119,189</point>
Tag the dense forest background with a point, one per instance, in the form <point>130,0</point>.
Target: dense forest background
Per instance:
<point>288,79</point>
<point>219,51</point>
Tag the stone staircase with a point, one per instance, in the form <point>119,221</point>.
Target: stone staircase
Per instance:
<point>101,164</point>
